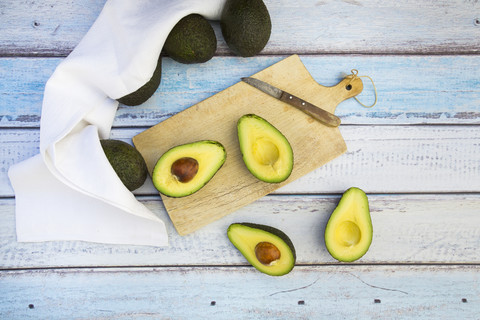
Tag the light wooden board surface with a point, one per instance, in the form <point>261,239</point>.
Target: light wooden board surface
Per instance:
<point>313,143</point>
<point>416,153</point>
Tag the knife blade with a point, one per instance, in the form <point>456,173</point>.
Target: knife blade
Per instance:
<point>315,112</point>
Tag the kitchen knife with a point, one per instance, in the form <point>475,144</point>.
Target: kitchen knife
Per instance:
<point>315,112</point>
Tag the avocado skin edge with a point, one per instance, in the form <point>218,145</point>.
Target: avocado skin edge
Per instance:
<point>126,161</point>
<point>146,91</point>
<point>192,40</point>
<point>273,231</point>
<point>246,26</point>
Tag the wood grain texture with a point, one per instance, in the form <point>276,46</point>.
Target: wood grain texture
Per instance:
<point>215,118</point>
<point>338,292</point>
<point>411,89</point>
<point>49,28</point>
<point>413,229</point>
<point>379,159</point>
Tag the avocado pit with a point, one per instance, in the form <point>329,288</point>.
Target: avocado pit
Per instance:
<point>185,169</point>
<point>267,253</point>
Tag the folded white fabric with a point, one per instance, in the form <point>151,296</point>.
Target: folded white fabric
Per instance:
<point>69,191</point>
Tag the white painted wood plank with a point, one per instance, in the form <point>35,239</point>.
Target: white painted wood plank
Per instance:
<point>411,89</point>
<point>337,292</point>
<point>407,229</point>
<point>379,159</point>
<point>361,26</point>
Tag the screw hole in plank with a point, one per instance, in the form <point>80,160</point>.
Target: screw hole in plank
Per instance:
<point>377,301</point>
<point>213,303</point>
<point>31,306</point>
<point>464,300</point>
<point>301,303</point>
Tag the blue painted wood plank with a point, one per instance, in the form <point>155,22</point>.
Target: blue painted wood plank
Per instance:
<point>364,26</point>
<point>338,292</point>
<point>411,89</point>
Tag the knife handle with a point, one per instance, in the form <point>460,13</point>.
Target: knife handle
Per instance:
<point>319,114</point>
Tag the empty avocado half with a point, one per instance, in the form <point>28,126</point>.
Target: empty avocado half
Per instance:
<point>349,230</point>
<point>266,152</point>
<point>186,168</point>
<point>266,248</point>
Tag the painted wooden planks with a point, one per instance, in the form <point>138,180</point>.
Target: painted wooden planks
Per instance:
<point>413,229</point>
<point>411,89</point>
<point>50,28</point>
<point>380,159</point>
<point>338,292</point>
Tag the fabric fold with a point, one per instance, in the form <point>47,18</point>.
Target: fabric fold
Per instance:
<point>69,191</point>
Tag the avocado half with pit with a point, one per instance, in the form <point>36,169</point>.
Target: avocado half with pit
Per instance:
<point>349,230</point>
<point>186,168</point>
<point>266,152</point>
<point>266,248</point>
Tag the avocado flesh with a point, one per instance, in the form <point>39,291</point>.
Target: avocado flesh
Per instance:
<point>192,40</point>
<point>349,230</point>
<point>266,152</point>
<point>246,236</point>
<point>246,26</point>
<point>209,156</point>
<point>146,91</point>
<point>127,162</point>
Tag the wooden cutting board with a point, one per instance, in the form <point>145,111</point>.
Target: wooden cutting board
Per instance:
<point>215,118</point>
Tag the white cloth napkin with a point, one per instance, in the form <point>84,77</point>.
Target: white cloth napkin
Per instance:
<point>69,191</point>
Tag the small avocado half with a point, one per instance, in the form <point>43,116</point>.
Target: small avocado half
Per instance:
<point>192,40</point>
<point>349,230</point>
<point>266,152</point>
<point>246,26</point>
<point>127,162</point>
<point>146,91</point>
<point>266,248</point>
<point>186,168</point>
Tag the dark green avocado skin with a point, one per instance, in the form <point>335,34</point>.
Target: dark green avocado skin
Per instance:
<point>246,26</point>
<point>146,91</point>
<point>192,40</point>
<point>127,162</point>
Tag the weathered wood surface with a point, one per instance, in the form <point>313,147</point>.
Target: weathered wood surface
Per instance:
<point>53,28</point>
<point>411,89</point>
<point>416,153</point>
<point>334,292</point>
<point>407,229</point>
<point>379,159</point>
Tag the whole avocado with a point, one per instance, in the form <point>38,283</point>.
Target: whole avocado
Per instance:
<point>146,91</point>
<point>192,40</point>
<point>246,26</point>
<point>127,162</point>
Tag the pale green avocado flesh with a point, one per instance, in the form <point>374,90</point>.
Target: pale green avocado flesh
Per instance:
<point>266,248</point>
<point>349,230</point>
<point>186,168</point>
<point>266,152</point>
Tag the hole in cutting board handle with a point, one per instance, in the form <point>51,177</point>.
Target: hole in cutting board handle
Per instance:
<point>348,87</point>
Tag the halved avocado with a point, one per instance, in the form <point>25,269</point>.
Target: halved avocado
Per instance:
<point>266,248</point>
<point>186,168</point>
<point>265,150</point>
<point>349,230</point>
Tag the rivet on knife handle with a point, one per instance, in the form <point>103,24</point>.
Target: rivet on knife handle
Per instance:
<point>315,112</point>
